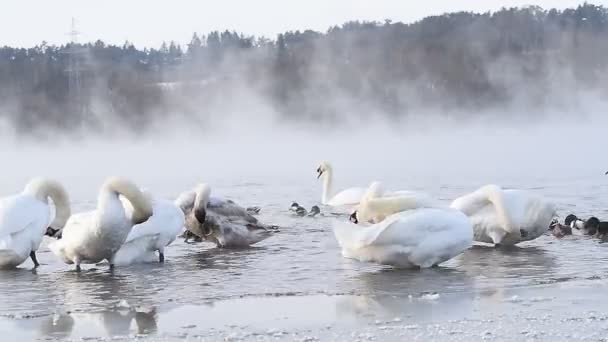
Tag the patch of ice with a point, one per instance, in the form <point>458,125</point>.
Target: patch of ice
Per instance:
<point>430,296</point>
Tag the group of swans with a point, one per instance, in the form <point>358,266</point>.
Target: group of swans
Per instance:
<point>128,225</point>
<point>408,229</point>
<point>401,228</point>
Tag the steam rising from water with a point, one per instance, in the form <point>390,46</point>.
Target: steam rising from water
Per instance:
<point>423,154</point>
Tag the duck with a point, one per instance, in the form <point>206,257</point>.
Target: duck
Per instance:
<point>580,227</point>
<point>301,211</point>
<point>93,236</point>
<point>506,217</point>
<point>220,221</point>
<point>26,217</point>
<point>154,235</point>
<point>297,209</point>
<point>559,230</point>
<point>412,237</point>
<point>314,211</point>
<point>600,226</point>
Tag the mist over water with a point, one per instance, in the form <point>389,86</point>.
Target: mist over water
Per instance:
<point>423,153</point>
<point>248,149</point>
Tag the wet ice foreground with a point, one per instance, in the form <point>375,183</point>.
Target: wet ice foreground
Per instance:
<point>296,286</point>
<point>544,313</point>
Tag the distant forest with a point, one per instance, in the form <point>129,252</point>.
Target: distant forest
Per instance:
<point>458,61</point>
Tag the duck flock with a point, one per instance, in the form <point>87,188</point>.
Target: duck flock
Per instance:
<point>400,228</point>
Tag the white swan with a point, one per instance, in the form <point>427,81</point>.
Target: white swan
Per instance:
<point>221,221</point>
<point>24,219</point>
<point>158,232</point>
<point>350,196</point>
<point>505,217</point>
<point>97,235</point>
<point>414,237</point>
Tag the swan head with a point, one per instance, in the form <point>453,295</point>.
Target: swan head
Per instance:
<point>353,218</point>
<point>323,168</point>
<point>606,173</point>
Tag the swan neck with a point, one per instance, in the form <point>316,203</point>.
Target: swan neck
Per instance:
<point>377,209</point>
<point>495,196</point>
<point>202,196</point>
<point>142,206</point>
<point>185,201</point>
<point>45,189</point>
<point>327,186</point>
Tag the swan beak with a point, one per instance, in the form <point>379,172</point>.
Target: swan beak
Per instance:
<point>51,231</point>
<point>353,218</point>
<point>320,173</point>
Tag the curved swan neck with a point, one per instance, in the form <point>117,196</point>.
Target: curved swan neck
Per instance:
<point>495,195</point>
<point>142,206</point>
<point>202,195</point>
<point>42,189</point>
<point>185,200</point>
<point>327,185</point>
<point>377,209</point>
<point>201,199</point>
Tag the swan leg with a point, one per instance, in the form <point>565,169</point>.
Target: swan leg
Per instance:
<point>34,259</point>
<point>161,257</point>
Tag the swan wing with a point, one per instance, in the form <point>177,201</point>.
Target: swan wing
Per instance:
<point>529,212</point>
<point>78,227</point>
<point>21,214</point>
<point>138,250</point>
<point>167,221</point>
<point>74,236</point>
<point>236,232</point>
<point>228,208</point>
<point>422,237</point>
<point>350,196</point>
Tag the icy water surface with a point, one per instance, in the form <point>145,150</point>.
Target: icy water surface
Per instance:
<point>296,285</point>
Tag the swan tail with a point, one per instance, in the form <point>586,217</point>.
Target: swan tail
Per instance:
<point>141,204</point>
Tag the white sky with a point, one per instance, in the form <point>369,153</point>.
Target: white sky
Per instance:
<point>149,22</point>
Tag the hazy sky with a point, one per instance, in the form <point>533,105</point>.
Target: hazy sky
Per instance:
<point>149,22</point>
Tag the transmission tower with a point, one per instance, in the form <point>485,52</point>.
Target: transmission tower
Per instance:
<point>76,55</point>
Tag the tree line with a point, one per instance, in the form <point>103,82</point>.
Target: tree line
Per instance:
<point>460,61</point>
